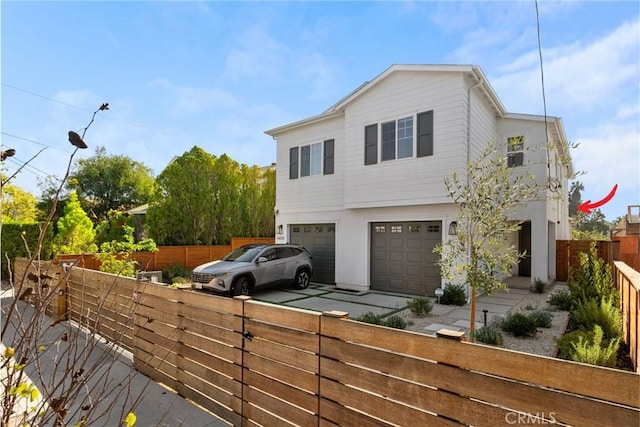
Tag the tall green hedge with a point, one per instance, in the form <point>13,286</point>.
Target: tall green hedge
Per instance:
<point>13,244</point>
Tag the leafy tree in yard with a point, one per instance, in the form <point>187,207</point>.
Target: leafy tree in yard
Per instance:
<point>480,251</point>
<point>202,199</point>
<point>18,205</point>
<point>111,182</point>
<point>75,229</point>
<point>593,226</point>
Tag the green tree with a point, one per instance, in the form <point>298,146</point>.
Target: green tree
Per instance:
<point>202,199</point>
<point>75,230</point>
<point>111,182</point>
<point>480,251</point>
<point>18,205</point>
<point>593,226</point>
<point>575,197</point>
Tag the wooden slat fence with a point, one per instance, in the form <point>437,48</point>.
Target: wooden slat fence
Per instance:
<point>187,256</point>
<point>253,363</point>
<point>567,254</point>
<point>627,281</point>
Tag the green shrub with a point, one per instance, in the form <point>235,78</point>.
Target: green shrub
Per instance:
<point>489,335</point>
<point>592,279</point>
<point>539,286</point>
<point>20,240</point>
<point>542,318</point>
<point>565,343</point>
<point>454,295</point>
<point>420,306</point>
<point>172,271</point>
<point>519,325</point>
<point>561,299</point>
<point>595,349</point>
<point>370,317</point>
<point>603,313</point>
<point>395,321</point>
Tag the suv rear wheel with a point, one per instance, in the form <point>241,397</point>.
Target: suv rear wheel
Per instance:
<point>242,286</point>
<point>302,279</point>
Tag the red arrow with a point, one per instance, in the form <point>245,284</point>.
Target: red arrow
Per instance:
<point>587,206</point>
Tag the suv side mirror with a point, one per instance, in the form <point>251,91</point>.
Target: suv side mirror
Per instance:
<point>261,260</point>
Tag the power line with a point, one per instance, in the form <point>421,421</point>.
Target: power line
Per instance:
<point>30,140</point>
<point>139,125</point>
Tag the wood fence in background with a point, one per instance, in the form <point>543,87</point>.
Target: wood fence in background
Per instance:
<point>254,363</point>
<point>186,256</point>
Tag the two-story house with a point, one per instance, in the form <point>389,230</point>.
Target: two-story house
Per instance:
<point>362,184</point>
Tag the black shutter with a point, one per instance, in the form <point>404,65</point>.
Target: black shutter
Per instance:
<point>293,163</point>
<point>371,144</point>
<point>305,161</point>
<point>328,157</point>
<point>425,134</point>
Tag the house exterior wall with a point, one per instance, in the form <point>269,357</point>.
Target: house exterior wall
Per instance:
<point>411,181</point>
<point>315,193</point>
<point>412,189</point>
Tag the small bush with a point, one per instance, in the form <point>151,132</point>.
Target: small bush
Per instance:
<point>592,279</point>
<point>542,318</point>
<point>489,335</point>
<point>539,286</point>
<point>561,299</point>
<point>420,306</point>
<point>604,313</point>
<point>519,325</point>
<point>595,349</point>
<point>395,321</point>
<point>370,317</point>
<point>454,295</point>
<point>173,271</point>
<point>565,343</point>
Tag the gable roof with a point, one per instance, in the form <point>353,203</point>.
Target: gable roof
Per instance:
<point>338,108</point>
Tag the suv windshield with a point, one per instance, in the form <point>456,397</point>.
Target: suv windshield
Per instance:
<point>243,254</point>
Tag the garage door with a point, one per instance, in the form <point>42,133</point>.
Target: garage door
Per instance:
<point>402,258</point>
<point>320,240</point>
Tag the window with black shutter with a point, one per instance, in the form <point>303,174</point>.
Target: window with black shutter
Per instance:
<point>328,157</point>
<point>293,163</point>
<point>425,134</point>
<point>371,144</point>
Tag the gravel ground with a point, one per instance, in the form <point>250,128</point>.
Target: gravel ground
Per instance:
<point>543,343</point>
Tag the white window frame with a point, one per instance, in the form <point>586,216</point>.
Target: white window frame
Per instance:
<point>515,147</point>
<point>397,138</point>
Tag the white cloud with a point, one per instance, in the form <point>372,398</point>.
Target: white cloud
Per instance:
<point>578,76</point>
<point>191,100</point>
<point>258,55</point>
<point>609,154</point>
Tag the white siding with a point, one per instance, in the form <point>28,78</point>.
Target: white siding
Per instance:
<point>411,181</point>
<point>310,193</point>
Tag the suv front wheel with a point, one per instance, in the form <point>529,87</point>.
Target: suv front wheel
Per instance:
<point>242,286</point>
<point>302,279</point>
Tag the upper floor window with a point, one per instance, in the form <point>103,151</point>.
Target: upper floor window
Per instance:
<point>312,159</point>
<point>515,151</point>
<point>397,138</point>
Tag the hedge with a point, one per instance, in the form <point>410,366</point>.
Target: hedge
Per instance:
<point>12,244</point>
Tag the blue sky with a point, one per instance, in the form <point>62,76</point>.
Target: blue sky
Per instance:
<point>218,74</point>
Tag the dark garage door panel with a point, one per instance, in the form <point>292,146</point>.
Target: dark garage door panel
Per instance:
<point>320,240</point>
<point>402,258</point>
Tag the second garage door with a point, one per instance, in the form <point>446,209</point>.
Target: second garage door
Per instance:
<point>402,258</point>
<point>320,241</point>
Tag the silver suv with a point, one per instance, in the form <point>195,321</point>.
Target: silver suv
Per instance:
<point>251,266</point>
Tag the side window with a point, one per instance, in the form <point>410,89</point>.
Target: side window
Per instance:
<point>515,151</point>
<point>284,252</point>
<point>305,160</point>
<point>269,254</point>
